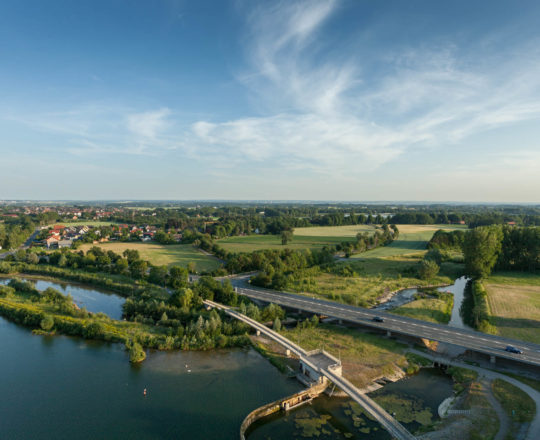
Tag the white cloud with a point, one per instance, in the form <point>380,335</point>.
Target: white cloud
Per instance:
<point>148,125</point>
<point>321,112</point>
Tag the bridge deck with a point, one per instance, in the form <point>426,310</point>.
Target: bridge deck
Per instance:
<point>323,363</point>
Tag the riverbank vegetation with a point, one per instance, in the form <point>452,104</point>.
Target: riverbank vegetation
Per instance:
<point>429,305</point>
<point>365,282</point>
<point>150,322</point>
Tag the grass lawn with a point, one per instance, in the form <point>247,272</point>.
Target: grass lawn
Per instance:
<point>437,310</point>
<point>159,255</point>
<point>364,356</point>
<point>514,303</point>
<point>516,403</point>
<point>250,243</point>
<point>412,239</point>
<point>333,231</point>
<point>376,277</point>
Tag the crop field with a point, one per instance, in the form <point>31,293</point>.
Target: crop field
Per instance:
<point>333,231</point>
<point>412,239</point>
<point>83,223</point>
<point>159,255</point>
<point>251,243</point>
<point>514,303</point>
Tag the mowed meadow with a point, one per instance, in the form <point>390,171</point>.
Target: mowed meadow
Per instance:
<point>163,255</point>
<point>514,305</point>
<point>304,238</point>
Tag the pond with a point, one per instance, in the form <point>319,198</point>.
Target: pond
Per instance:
<point>414,401</point>
<point>94,300</point>
<point>66,388</point>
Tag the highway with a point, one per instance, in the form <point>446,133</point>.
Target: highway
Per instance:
<point>469,339</point>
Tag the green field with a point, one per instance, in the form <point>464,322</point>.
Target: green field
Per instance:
<point>251,243</point>
<point>412,239</point>
<point>82,223</point>
<point>438,310</point>
<point>514,305</point>
<point>333,231</point>
<point>159,255</point>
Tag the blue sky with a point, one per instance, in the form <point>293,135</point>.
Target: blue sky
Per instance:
<point>333,100</point>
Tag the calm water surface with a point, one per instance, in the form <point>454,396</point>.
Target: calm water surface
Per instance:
<point>66,388</point>
<point>95,301</point>
<point>338,418</point>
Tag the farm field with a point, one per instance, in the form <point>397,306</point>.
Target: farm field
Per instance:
<point>372,278</point>
<point>251,243</point>
<point>514,303</point>
<point>83,223</point>
<point>159,255</point>
<point>333,231</point>
<point>412,239</point>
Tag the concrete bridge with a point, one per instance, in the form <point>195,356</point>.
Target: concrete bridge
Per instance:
<point>320,366</point>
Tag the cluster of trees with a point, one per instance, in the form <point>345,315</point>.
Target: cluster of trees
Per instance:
<point>475,308</point>
<point>507,248</point>
<point>365,241</point>
<point>14,231</point>
<point>447,239</point>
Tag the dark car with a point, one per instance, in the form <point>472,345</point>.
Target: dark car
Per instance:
<point>511,349</point>
<point>378,319</point>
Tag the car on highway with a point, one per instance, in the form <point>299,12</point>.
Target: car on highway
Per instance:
<point>378,319</point>
<point>512,349</point>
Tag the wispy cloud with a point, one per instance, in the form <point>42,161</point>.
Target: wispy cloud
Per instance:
<point>321,112</point>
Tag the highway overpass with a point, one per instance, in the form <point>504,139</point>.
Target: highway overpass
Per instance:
<point>493,346</point>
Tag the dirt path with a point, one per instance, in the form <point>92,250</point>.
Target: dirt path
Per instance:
<point>504,421</point>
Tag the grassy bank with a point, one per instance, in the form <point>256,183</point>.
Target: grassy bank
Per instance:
<point>517,404</point>
<point>163,255</point>
<point>364,356</point>
<point>433,309</point>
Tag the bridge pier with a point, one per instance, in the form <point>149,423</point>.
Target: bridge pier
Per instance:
<point>288,353</point>
<point>492,359</point>
<point>388,333</point>
<point>258,333</point>
<point>340,321</point>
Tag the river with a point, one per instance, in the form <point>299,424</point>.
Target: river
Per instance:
<point>407,295</point>
<point>94,300</point>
